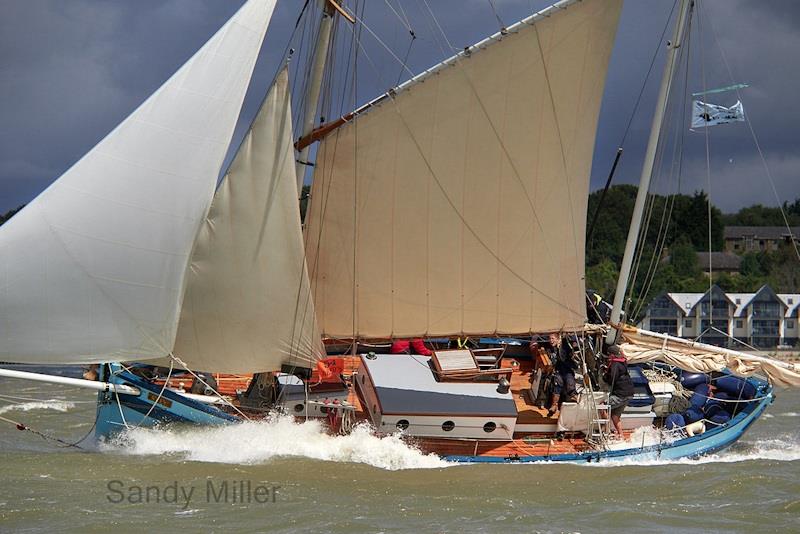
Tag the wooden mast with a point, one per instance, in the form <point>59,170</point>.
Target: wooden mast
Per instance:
<point>329,9</point>
<point>647,168</point>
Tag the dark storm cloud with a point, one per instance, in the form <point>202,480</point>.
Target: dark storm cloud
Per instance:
<point>70,70</point>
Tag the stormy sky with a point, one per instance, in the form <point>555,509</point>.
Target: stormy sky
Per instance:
<point>70,70</point>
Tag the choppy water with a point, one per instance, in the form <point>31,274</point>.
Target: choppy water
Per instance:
<point>313,482</point>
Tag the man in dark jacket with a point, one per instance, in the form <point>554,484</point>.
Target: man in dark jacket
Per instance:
<point>563,373</point>
<point>620,383</point>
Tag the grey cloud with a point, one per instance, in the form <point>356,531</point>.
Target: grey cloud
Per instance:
<point>70,71</point>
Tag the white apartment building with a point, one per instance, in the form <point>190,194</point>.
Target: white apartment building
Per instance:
<point>762,319</point>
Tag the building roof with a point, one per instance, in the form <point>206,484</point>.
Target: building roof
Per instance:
<point>726,261</point>
<point>791,300</point>
<point>760,232</point>
<point>685,301</point>
<point>740,300</point>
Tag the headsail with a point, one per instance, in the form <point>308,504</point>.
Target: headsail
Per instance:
<point>457,205</point>
<point>93,269</point>
<point>247,306</point>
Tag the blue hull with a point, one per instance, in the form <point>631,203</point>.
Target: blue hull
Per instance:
<point>115,412</point>
<point>713,440</point>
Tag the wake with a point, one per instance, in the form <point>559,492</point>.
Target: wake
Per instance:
<point>52,404</point>
<point>279,436</point>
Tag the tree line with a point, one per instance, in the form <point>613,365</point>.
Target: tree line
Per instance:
<point>677,228</point>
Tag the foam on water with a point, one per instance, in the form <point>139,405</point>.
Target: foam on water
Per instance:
<point>51,404</point>
<point>782,449</point>
<point>255,442</point>
<point>644,436</point>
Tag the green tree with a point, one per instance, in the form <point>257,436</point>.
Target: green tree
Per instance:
<point>751,266</point>
<point>684,260</point>
<point>784,272</point>
<point>692,222</point>
<point>603,278</point>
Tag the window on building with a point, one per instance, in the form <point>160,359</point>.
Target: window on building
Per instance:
<point>789,324</point>
<point>739,324</point>
<point>687,323</point>
<point>738,301</point>
<point>765,328</point>
<point>791,300</point>
<point>766,309</point>
<point>716,307</point>
<point>665,326</point>
<point>662,307</point>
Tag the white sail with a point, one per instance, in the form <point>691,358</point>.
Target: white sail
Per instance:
<point>93,269</point>
<point>247,306</point>
<point>457,205</point>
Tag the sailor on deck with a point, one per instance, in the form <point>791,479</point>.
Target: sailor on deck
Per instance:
<point>620,385</point>
<point>563,374</point>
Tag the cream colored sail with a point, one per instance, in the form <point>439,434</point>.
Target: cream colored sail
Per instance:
<point>642,346</point>
<point>247,306</point>
<point>457,205</point>
<point>93,269</point>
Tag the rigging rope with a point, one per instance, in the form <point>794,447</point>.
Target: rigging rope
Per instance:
<point>674,175</point>
<point>707,138</point>
<point>207,385</point>
<point>45,436</point>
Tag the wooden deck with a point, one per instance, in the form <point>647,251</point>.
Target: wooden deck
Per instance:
<point>528,413</point>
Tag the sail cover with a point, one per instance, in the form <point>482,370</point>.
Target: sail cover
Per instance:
<point>93,269</point>
<point>247,306</point>
<point>457,204</point>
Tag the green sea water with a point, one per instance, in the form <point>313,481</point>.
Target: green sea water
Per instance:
<point>287,477</point>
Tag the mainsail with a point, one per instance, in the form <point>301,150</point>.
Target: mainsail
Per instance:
<point>247,306</point>
<point>457,203</point>
<point>93,269</point>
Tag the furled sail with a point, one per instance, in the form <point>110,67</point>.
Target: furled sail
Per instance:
<point>93,269</point>
<point>457,203</point>
<point>247,306</point>
<point>643,346</point>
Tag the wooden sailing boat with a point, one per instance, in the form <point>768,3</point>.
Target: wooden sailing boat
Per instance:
<point>452,206</point>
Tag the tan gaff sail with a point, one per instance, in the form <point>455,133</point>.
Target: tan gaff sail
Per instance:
<point>458,204</point>
<point>247,305</point>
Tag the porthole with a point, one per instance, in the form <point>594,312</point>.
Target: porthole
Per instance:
<point>299,408</point>
<point>447,426</point>
<point>402,424</point>
<point>489,427</point>
<point>323,409</point>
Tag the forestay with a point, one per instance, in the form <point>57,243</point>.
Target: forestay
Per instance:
<point>247,306</point>
<point>93,269</point>
<point>457,204</point>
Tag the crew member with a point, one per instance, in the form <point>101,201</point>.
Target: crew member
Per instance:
<point>620,385</point>
<point>563,373</point>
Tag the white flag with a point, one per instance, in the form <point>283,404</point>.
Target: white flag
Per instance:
<point>705,114</point>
